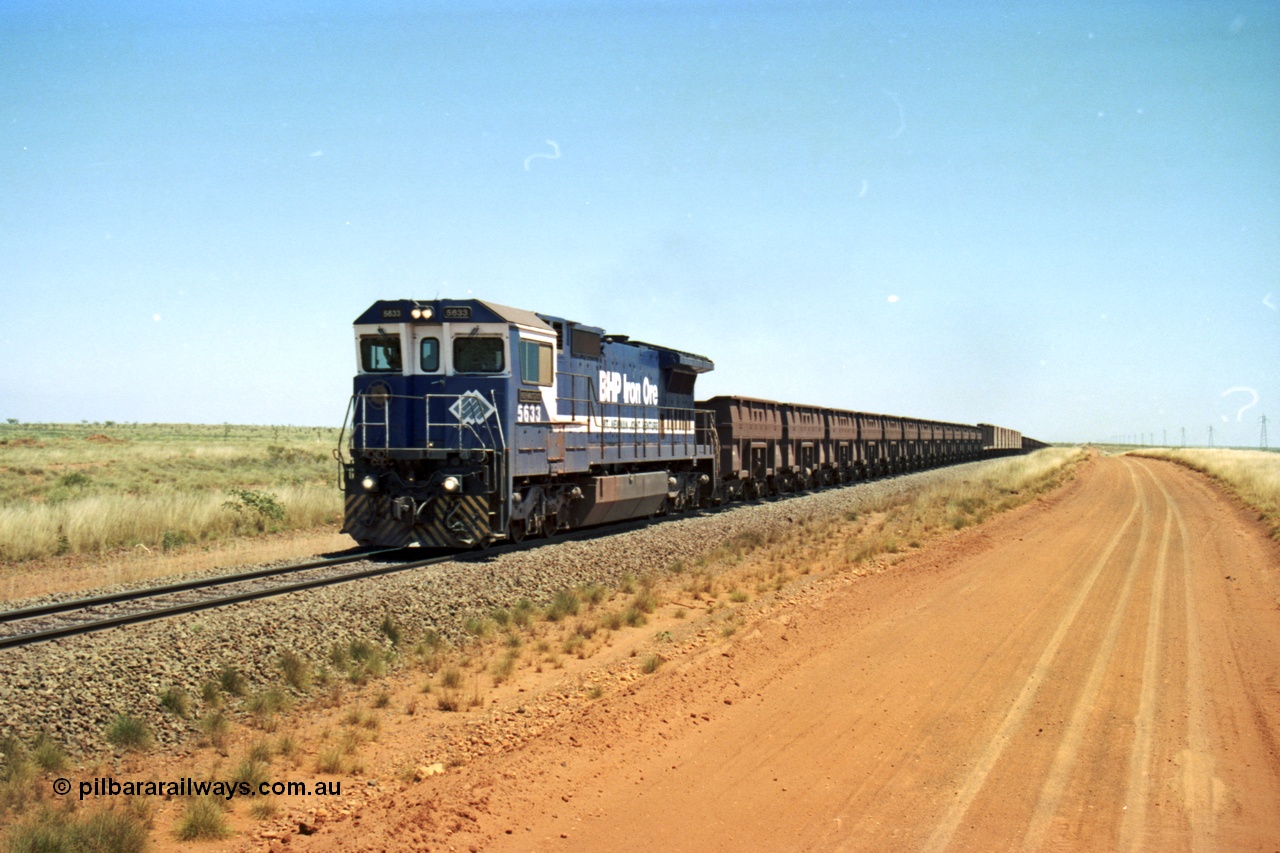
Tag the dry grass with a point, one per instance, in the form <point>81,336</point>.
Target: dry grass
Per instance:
<point>769,560</point>
<point>1251,475</point>
<point>95,524</point>
<point>88,489</point>
<point>72,573</point>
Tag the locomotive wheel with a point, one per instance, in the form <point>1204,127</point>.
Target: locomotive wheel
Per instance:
<point>516,530</point>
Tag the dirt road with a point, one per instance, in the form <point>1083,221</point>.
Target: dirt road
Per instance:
<point>1096,672</point>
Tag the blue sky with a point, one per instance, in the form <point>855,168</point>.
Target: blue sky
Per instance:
<point>1064,218</point>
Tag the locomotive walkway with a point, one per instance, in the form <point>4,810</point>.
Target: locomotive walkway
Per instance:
<point>1099,671</point>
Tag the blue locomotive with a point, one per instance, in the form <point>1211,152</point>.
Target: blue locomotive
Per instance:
<point>473,422</point>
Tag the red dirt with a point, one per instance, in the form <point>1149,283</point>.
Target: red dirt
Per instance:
<point>1097,671</point>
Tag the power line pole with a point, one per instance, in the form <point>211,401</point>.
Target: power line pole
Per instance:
<point>1211,435</point>
<point>1184,436</point>
<point>1164,437</point>
<point>1264,432</point>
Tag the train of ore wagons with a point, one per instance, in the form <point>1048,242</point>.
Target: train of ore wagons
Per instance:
<point>473,423</point>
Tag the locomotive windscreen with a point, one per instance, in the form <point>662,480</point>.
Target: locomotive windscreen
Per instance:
<point>380,354</point>
<point>478,355</point>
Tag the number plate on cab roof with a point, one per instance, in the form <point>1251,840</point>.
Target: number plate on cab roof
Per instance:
<point>456,312</point>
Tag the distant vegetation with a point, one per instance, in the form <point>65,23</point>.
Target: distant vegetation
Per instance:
<point>91,488</point>
<point>1252,475</point>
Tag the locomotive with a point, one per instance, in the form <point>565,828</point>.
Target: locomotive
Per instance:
<point>472,422</point>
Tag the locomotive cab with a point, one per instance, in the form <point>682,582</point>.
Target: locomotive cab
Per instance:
<point>430,414</point>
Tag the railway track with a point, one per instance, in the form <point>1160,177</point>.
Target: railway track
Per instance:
<point>84,615</point>
<point>45,622</point>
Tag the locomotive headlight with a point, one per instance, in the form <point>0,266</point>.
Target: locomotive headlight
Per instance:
<point>369,484</point>
<point>451,484</point>
<point>421,313</point>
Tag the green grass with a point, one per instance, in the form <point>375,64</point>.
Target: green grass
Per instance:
<point>129,733</point>
<point>175,701</point>
<point>108,830</point>
<point>361,660</point>
<point>295,669</point>
<point>645,601</point>
<point>203,818</point>
<point>215,726</point>
<point>524,613</point>
<point>48,755</point>
<point>91,488</point>
<point>264,808</point>
<point>331,760</point>
<point>232,681</point>
<point>451,678</point>
<point>267,705</point>
<point>504,666</point>
<point>566,603</point>
<point>251,772</point>
<point>259,751</point>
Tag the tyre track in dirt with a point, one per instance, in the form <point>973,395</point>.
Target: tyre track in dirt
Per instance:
<point>1068,748</point>
<point>1100,670</point>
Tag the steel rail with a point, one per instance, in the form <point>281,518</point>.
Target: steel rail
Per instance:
<point>88,627</point>
<point>210,603</point>
<point>182,586</point>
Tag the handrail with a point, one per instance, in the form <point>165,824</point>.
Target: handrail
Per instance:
<point>649,430</point>
<point>342,433</point>
<point>491,438</point>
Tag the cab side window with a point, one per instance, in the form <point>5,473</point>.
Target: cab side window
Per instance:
<point>535,363</point>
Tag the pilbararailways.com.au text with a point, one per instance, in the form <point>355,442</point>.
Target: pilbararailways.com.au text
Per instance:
<point>188,787</point>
